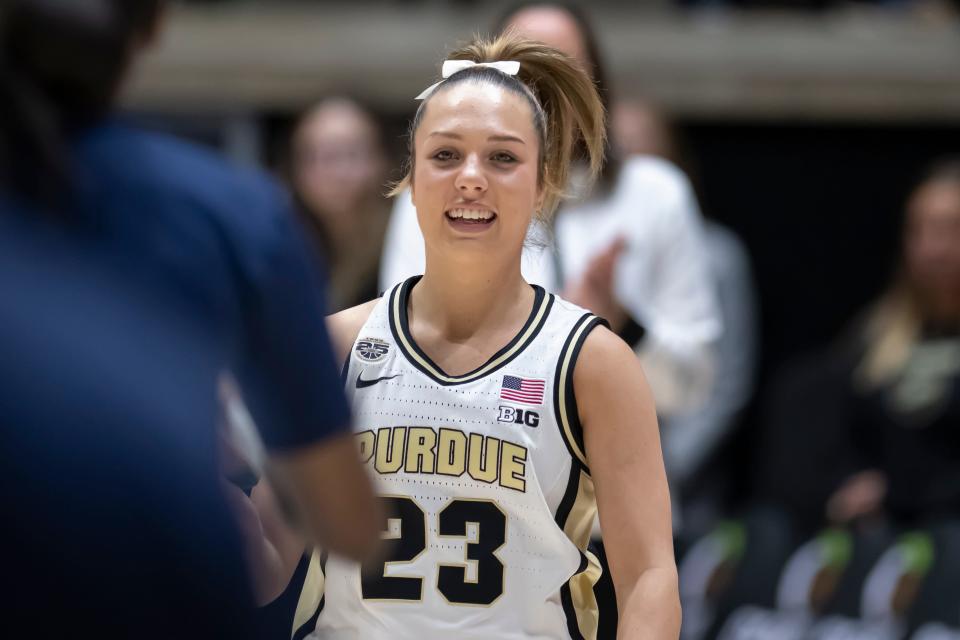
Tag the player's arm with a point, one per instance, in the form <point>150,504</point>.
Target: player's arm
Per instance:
<point>272,548</point>
<point>623,451</point>
<point>326,476</point>
<point>289,378</point>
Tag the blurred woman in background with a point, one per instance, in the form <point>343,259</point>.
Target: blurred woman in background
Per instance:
<point>338,170</point>
<point>905,400</point>
<point>692,441</point>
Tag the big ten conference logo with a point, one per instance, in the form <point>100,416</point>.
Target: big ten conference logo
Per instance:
<point>371,349</point>
<point>513,415</point>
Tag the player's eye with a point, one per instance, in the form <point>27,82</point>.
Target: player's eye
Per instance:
<point>503,157</point>
<point>444,155</point>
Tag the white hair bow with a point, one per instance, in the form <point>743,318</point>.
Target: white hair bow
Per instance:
<point>450,67</point>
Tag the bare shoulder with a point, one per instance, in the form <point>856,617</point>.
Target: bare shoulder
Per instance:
<point>608,380</point>
<point>344,326</point>
<point>604,357</point>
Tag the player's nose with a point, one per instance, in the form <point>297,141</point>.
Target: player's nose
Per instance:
<point>471,178</point>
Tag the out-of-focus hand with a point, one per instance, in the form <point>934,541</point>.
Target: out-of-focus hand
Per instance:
<point>593,290</point>
<point>861,495</point>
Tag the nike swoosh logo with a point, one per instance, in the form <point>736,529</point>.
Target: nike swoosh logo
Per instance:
<point>361,383</point>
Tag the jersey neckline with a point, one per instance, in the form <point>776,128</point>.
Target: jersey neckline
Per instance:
<point>400,327</point>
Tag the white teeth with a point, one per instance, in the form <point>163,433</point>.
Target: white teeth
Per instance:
<point>470,214</point>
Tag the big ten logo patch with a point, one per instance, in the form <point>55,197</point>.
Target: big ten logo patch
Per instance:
<point>371,349</point>
<point>513,415</point>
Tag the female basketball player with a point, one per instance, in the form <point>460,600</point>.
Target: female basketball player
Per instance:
<point>497,417</point>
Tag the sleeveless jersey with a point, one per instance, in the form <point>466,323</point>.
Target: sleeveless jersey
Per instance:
<point>484,479</point>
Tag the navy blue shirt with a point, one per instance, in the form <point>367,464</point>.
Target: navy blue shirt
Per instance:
<point>115,525</point>
<point>223,243</point>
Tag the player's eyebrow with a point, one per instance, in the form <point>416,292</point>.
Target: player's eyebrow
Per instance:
<point>505,138</point>
<point>494,138</point>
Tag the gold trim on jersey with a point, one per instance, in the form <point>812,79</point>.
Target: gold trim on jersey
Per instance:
<point>578,526</point>
<point>310,595</point>
<point>584,599</point>
<point>532,327</point>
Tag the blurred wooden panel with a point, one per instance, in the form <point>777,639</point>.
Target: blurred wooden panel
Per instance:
<point>848,66</point>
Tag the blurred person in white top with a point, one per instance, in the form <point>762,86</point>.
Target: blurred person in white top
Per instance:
<point>692,441</point>
<point>630,249</point>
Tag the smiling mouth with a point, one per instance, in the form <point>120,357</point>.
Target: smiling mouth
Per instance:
<point>478,217</point>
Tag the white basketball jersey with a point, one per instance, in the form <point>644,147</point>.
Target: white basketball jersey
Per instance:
<point>485,481</point>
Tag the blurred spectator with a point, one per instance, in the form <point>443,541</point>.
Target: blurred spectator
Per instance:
<point>905,387</point>
<point>866,432</point>
<point>216,245</point>
<point>338,168</point>
<point>113,510</point>
<point>690,439</point>
<point>640,129</point>
<point>630,250</point>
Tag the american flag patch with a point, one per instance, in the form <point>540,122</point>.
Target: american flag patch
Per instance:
<point>525,390</point>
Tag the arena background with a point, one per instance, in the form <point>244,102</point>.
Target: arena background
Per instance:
<point>802,124</point>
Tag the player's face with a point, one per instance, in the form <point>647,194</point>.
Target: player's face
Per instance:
<point>475,183</point>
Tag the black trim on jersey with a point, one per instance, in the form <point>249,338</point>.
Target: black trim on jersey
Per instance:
<point>563,512</point>
<point>566,505</point>
<point>573,627</point>
<point>584,563</point>
<point>345,369</point>
<point>603,591</point>
<point>569,495</point>
<point>310,625</point>
<point>591,321</point>
<point>401,296</point>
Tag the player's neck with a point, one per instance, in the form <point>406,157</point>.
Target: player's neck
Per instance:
<point>461,303</point>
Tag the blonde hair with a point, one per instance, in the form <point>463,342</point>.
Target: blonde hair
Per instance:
<point>892,329</point>
<point>895,323</point>
<point>565,103</point>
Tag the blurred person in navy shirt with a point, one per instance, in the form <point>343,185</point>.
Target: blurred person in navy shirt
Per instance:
<point>114,522</point>
<point>217,245</point>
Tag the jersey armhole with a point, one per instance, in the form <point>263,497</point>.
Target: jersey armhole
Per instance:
<point>564,398</point>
